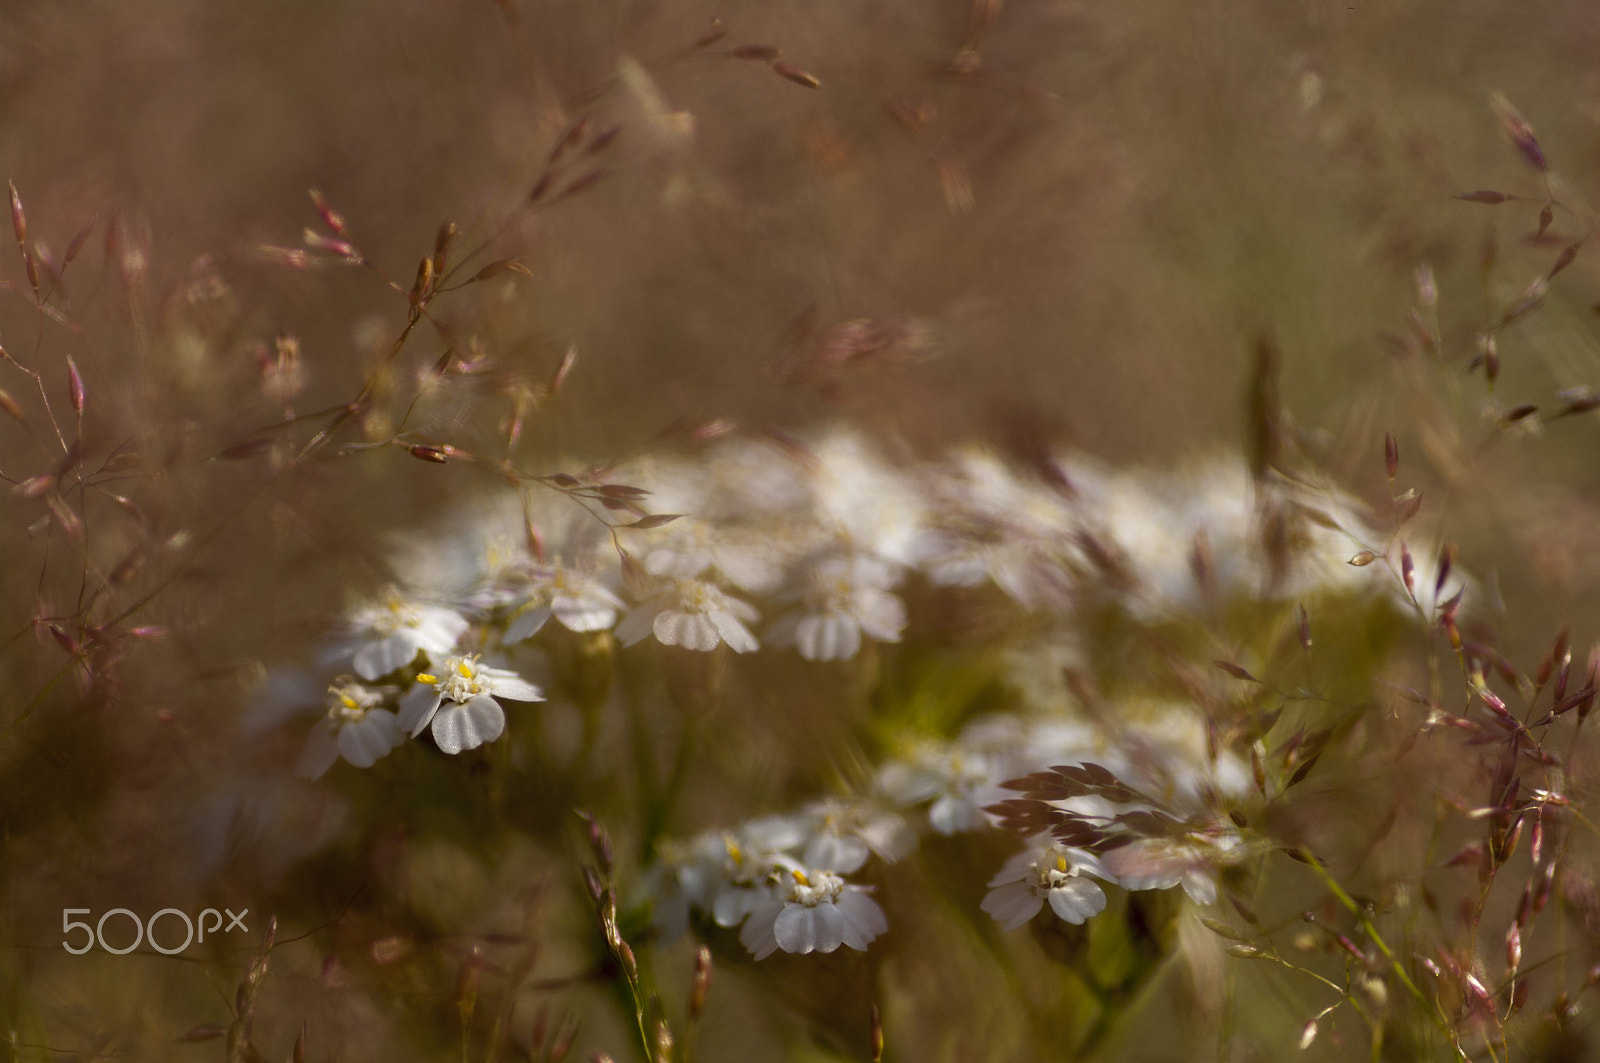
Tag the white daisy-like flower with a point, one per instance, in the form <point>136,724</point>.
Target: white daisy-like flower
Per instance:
<point>1161,863</point>
<point>1050,873</point>
<point>867,502</point>
<point>732,481</point>
<point>684,550</point>
<point>685,876</point>
<point>755,557</point>
<point>1181,536</point>
<point>751,557</point>
<point>693,614</point>
<point>354,728</point>
<point>960,782</point>
<point>843,834</point>
<point>992,525</point>
<point>812,911</point>
<point>842,598</point>
<point>383,637</point>
<point>753,855</point>
<point>460,703</point>
<point>577,600</point>
<point>1168,756</point>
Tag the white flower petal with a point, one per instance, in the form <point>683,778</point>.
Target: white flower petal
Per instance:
<point>907,784</point>
<point>795,929</point>
<point>889,835</point>
<point>321,750</point>
<point>439,630</point>
<point>1016,869</point>
<point>864,920</point>
<point>1200,886</point>
<point>417,708</point>
<point>692,631</point>
<point>735,634</point>
<point>741,610</point>
<point>777,832</point>
<point>829,928</point>
<point>637,625</point>
<point>757,934</point>
<point>734,904</point>
<point>836,852</point>
<point>882,615</point>
<point>375,659</point>
<point>466,726</point>
<point>1012,904</point>
<point>591,607</point>
<point>1077,900</point>
<point>828,636</point>
<point>1087,861</point>
<point>527,623</point>
<point>364,741</point>
<point>517,689</point>
<point>1148,865</point>
<point>669,562</point>
<point>953,815</point>
<point>584,615</point>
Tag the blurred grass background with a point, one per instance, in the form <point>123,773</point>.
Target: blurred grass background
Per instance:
<point>1084,215</point>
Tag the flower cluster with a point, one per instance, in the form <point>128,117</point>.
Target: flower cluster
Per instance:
<point>391,697</point>
<point>830,533</point>
<point>781,879</point>
<point>750,875</point>
<point>828,538</point>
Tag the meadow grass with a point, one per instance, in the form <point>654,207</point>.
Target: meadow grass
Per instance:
<point>959,532</point>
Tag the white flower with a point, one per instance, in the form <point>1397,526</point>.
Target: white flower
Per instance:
<point>842,598</point>
<point>380,638</point>
<point>1052,874</point>
<point>753,856</point>
<point>961,783</point>
<point>812,911</point>
<point>460,702</point>
<point>577,599</point>
<point>693,614</point>
<point>354,728</point>
<point>734,480</point>
<point>1211,528</point>
<point>867,502</point>
<point>1169,757</point>
<point>1161,863</point>
<point>685,875</point>
<point>1021,535</point>
<point>686,549</point>
<point>842,834</point>
<point>755,557</point>
<point>750,557</point>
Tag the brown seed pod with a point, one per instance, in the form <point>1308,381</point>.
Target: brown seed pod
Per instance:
<point>796,75</point>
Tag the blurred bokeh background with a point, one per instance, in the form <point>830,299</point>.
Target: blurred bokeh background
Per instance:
<point>1032,223</point>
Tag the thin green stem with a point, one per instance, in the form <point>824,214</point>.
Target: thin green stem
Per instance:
<point>1430,1007</point>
